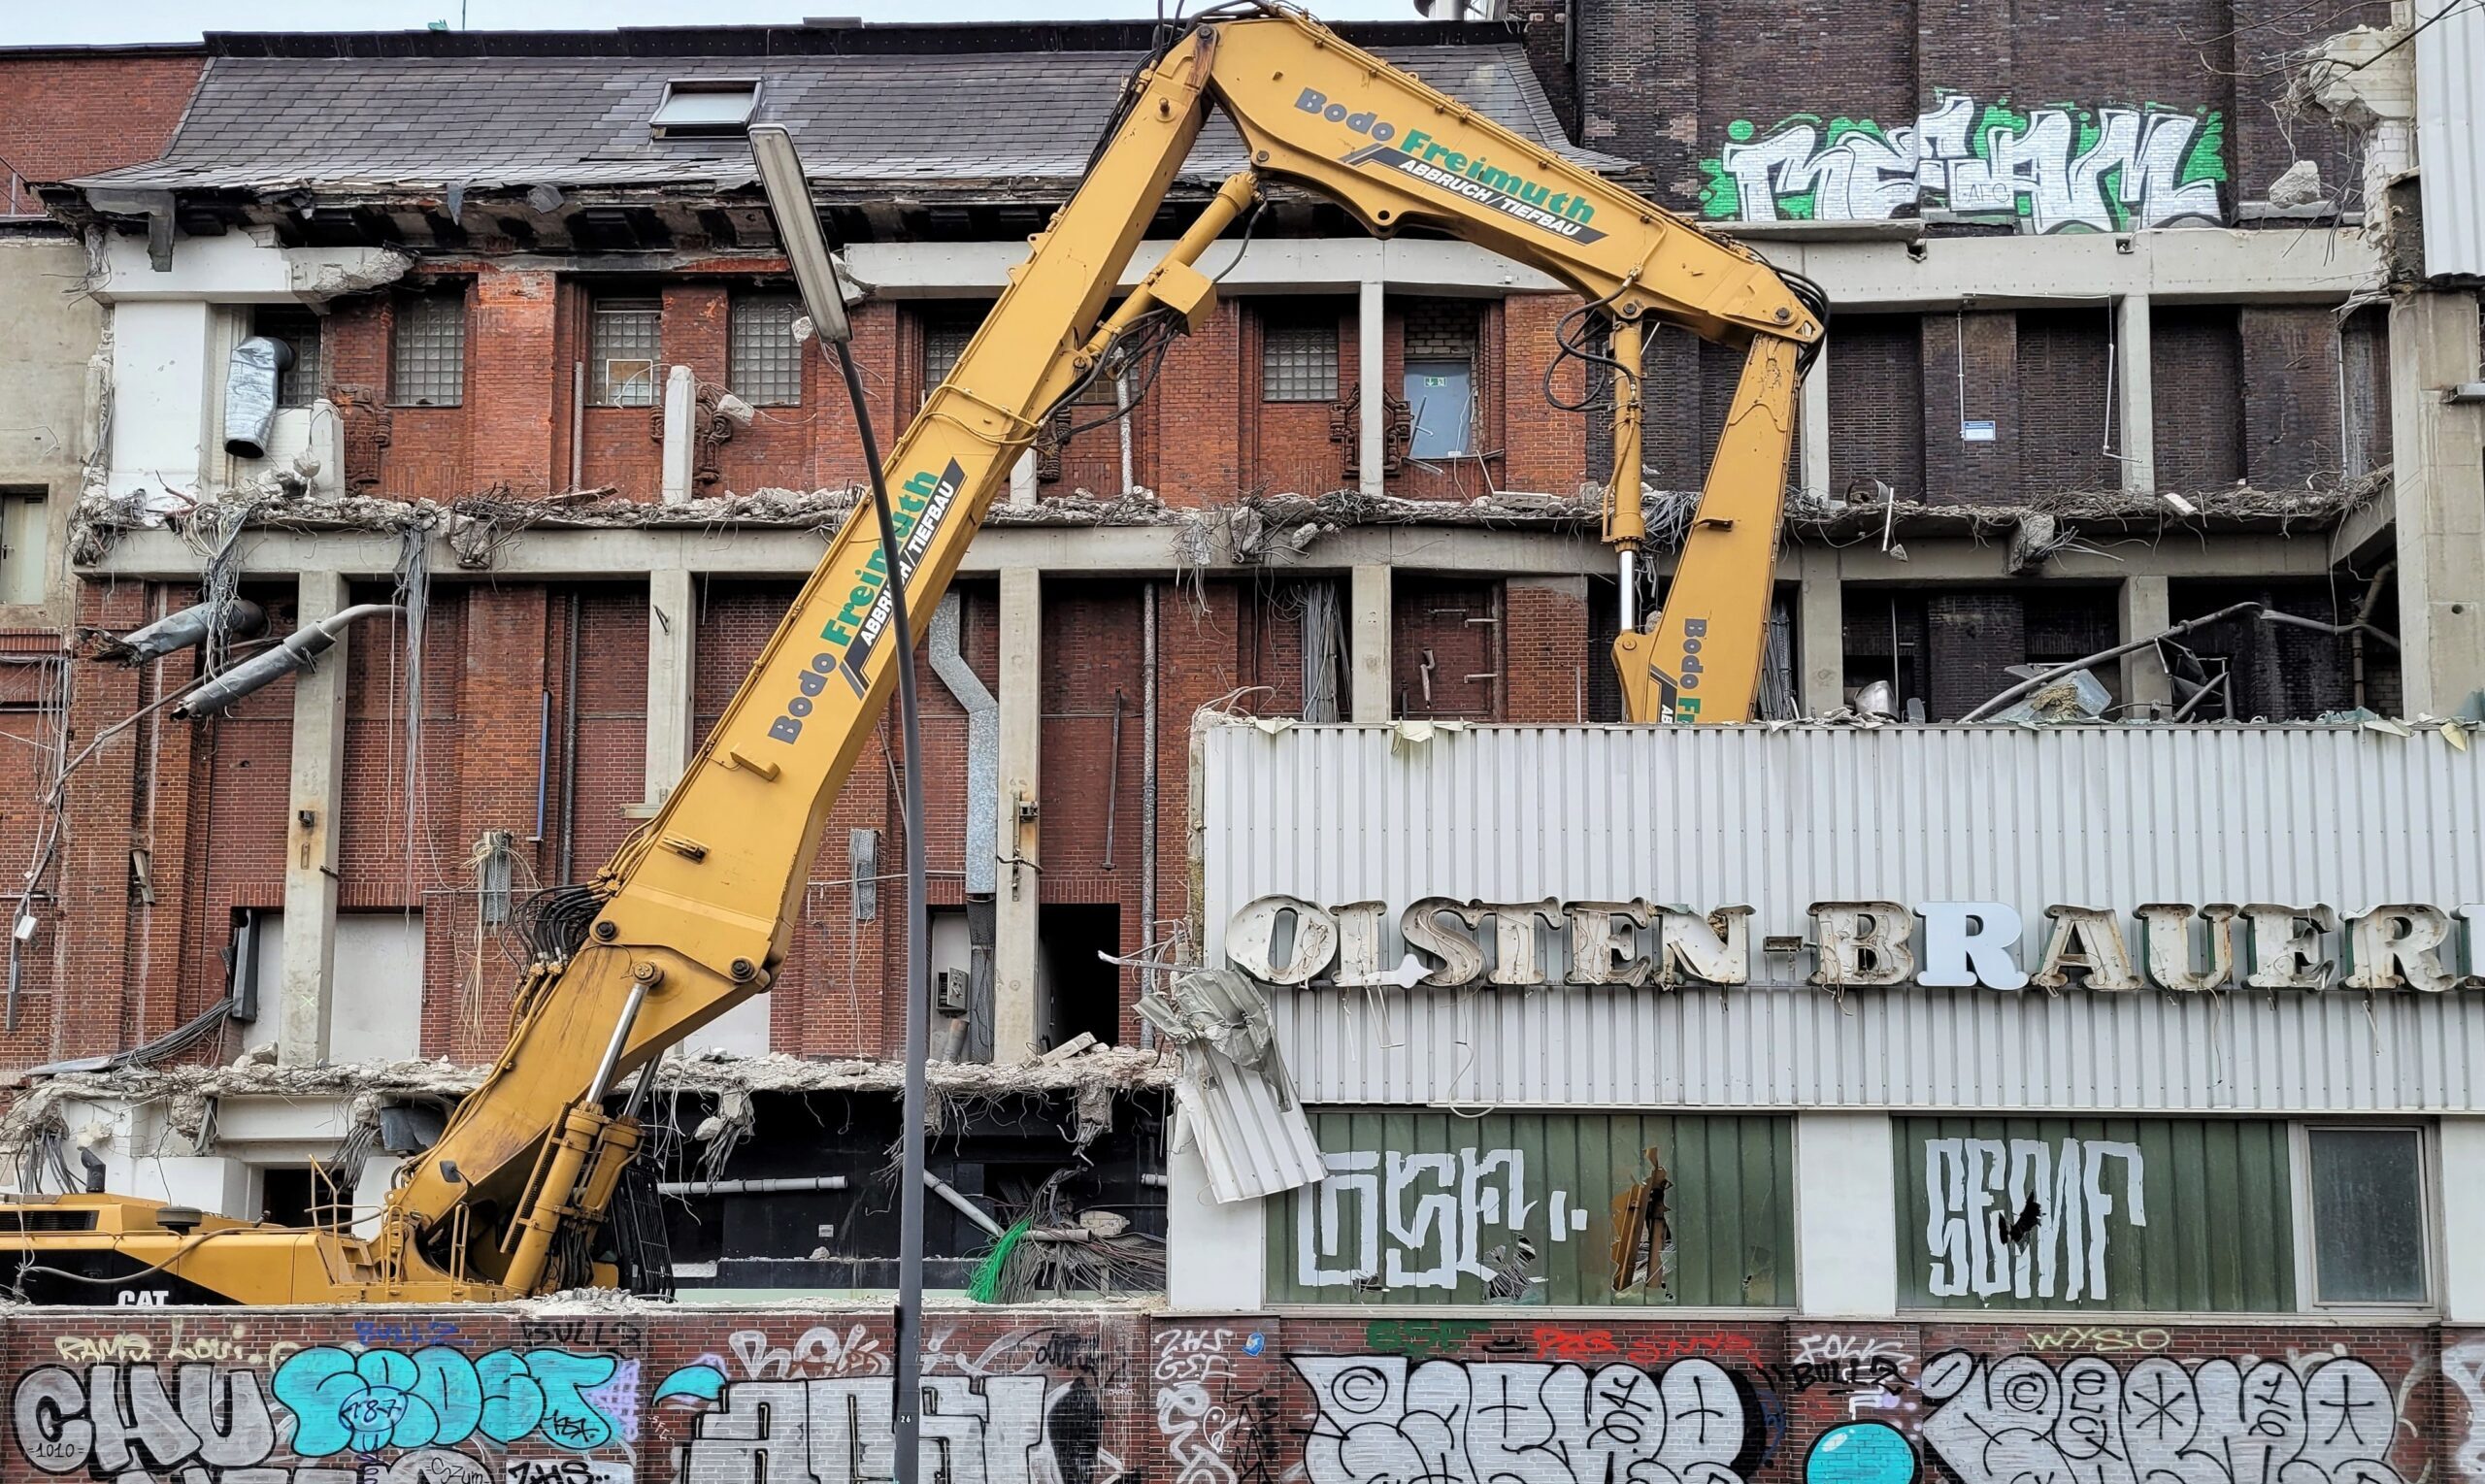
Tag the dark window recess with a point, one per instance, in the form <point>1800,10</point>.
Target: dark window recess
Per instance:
<point>1298,358</point>
<point>764,363</point>
<point>427,353</point>
<point>2282,671</point>
<point>1447,641</point>
<point>625,343</point>
<point>946,330</point>
<point>299,383</point>
<point>1441,378</point>
<point>1877,408</point>
<point>1087,991</point>
<point>2065,402</point>
<point>2196,367</point>
<point>2368,1215</point>
<point>2363,352</point>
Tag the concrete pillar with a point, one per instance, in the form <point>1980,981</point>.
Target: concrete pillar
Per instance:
<point>1845,1246</point>
<point>1019,1017</point>
<point>2462,1188</point>
<point>1811,468</point>
<point>307,957</point>
<point>1214,1254</point>
<point>1820,633</point>
<point>672,652</point>
<point>2147,690</point>
<point>2439,479</point>
<point>1372,446</point>
<point>1022,482</point>
<point>2135,395</point>
<point>1368,645</point>
<point>680,421</point>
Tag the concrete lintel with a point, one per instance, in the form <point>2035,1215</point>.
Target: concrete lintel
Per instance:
<point>2365,535</point>
<point>1018,1015</point>
<point>576,554</point>
<point>1283,265</point>
<point>243,268</point>
<point>2203,264</point>
<point>673,650</point>
<point>307,959</point>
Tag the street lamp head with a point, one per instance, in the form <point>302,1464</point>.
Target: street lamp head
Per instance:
<point>789,201</point>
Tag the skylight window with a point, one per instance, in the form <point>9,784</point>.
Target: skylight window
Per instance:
<point>705,107</point>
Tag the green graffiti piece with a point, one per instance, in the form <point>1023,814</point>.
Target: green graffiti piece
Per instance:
<point>1799,208</point>
<point>1741,131</point>
<point>1427,1338</point>
<point>1839,128</point>
<point>2205,159</point>
<point>1720,198</point>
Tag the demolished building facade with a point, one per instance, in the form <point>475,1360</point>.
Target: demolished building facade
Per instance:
<point>2133,326</point>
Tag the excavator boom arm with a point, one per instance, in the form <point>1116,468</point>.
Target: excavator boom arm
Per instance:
<point>699,908</point>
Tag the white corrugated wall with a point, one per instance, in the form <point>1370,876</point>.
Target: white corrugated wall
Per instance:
<point>2450,133</point>
<point>2103,817</point>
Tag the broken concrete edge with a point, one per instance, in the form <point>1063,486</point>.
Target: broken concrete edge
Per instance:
<point>189,1088</point>
<point>1254,527</point>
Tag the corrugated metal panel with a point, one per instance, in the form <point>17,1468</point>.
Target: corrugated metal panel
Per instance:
<point>1496,1223</point>
<point>1252,1141</point>
<point>2450,133</point>
<point>2096,815</point>
<point>2217,1233</point>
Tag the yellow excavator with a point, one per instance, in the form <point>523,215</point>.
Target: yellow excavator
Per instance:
<point>695,913</point>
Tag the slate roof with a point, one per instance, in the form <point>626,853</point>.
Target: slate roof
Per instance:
<point>875,119</point>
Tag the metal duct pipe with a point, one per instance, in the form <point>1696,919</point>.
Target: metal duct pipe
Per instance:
<point>235,618</point>
<point>268,666</point>
<point>971,1037</point>
<point>773,1186</point>
<point>250,394</point>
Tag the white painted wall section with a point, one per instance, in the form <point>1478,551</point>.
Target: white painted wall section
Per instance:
<point>1846,1244</point>
<point>159,394</point>
<point>2462,1187</point>
<point>1216,1252</point>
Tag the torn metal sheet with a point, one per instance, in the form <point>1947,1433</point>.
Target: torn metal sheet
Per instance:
<point>1237,1105</point>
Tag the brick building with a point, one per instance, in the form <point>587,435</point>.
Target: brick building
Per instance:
<point>2093,372</point>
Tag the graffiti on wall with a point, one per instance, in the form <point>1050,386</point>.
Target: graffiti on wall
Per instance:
<point>429,1410</point>
<point>2024,1218</point>
<point>1422,1221</point>
<point>2059,168</point>
<point>1381,1420</point>
<point>2464,1366</point>
<point>2212,1422</point>
<point>1027,1408</point>
<point>1211,1434</point>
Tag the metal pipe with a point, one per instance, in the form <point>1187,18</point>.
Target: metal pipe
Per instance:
<point>542,759</point>
<point>1630,590</point>
<point>577,422</point>
<point>1147,792</point>
<point>299,648</point>
<point>570,746</point>
<point>234,619</point>
<point>2047,677</point>
<point>957,1198</point>
<point>773,1186</point>
<point>2364,615</point>
<point>1113,780</point>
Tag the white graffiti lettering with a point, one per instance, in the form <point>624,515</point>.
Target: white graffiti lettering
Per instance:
<point>1520,1422</point>
<point>2465,1365</point>
<point>1417,1221</point>
<point>2047,170</point>
<point>2084,1422</point>
<point>997,1430</point>
<point>2016,1217</point>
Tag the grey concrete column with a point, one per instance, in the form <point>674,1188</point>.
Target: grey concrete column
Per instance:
<point>1022,482</point>
<point>1820,633</point>
<point>307,960</point>
<point>1018,1015</point>
<point>2439,481</point>
<point>681,421</point>
<point>2134,396</point>
<point>2147,690</point>
<point>1371,356</point>
<point>672,652</point>
<point>1812,457</point>
<point>1368,645</point>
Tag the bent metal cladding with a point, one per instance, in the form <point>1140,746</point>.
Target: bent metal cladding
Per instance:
<point>2169,945</point>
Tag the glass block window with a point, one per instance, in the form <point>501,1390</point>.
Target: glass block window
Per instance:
<point>624,342</point>
<point>298,384</point>
<point>946,330</point>
<point>1299,359</point>
<point>2368,1215</point>
<point>427,357</point>
<point>764,363</point>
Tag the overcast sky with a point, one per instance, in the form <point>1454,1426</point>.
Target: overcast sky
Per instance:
<point>33,23</point>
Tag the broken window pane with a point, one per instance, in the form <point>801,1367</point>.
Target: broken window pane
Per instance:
<point>2368,1215</point>
<point>625,339</point>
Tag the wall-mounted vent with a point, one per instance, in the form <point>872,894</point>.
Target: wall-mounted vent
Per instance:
<point>705,108</point>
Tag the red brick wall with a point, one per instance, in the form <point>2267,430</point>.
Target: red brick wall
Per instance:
<point>1024,1395</point>
<point>70,115</point>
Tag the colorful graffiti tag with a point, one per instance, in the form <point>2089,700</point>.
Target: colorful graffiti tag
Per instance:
<point>2056,168</point>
